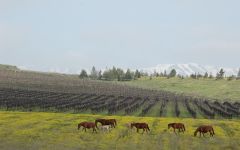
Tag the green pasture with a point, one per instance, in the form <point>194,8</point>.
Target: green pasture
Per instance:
<point>58,131</point>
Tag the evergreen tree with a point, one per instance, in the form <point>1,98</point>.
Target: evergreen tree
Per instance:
<point>220,74</point>
<point>99,76</point>
<point>238,75</point>
<point>206,75</point>
<point>194,76</point>
<point>137,74</point>
<point>172,73</point>
<point>83,74</point>
<point>165,73</point>
<point>128,75</point>
<point>120,74</point>
<point>210,76</point>
<point>94,73</point>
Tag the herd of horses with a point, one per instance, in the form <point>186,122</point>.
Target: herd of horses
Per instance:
<point>108,124</point>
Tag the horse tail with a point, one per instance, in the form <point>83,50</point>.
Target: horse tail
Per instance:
<point>213,131</point>
<point>115,122</point>
<point>148,128</point>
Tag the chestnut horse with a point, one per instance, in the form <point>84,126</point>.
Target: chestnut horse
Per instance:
<point>111,122</point>
<point>179,126</point>
<point>204,129</point>
<point>87,125</point>
<point>143,126</point>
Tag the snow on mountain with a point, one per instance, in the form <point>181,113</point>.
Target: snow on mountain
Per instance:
<point>190,68</point>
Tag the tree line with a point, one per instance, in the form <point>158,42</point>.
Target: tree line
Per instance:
<point>118,74</point>
<point>113,74</point>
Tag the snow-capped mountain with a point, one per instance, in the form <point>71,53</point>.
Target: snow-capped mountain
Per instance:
<point>190,68</point>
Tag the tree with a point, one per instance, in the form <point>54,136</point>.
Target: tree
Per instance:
<point>120,74</point>
<point>206,75</point>
<point>137,74</point>
<point>83,74</point>
<point>128,75</point>
<point>199,76</point>
<point>99,77</point>
<point>238,75</point>
<point>173,73</point>
<point>165,73</point>
<point>220,74</point>
<point>210,76</point>
<point>94,73</point>
<point>194,76</point>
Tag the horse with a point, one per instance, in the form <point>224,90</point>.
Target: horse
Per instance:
<point>179,126</point>
<point>143,126</point>
<point>111,122</point>
<point>105,128</point>
<point>128,125</point>
<point>87,125</point>
<point>204,129</point>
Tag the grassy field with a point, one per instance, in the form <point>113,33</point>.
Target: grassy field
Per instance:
<point>19,130</point>
<point>210,88</point>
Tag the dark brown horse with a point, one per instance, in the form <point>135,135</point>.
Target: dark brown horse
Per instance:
<point>87,125</point>
<point>143,126</point>
<point>111,122</point>
<point>204,129</point>
<point>179,126</point>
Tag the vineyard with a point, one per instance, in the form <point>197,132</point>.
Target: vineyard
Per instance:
<point>30,91</point>
<point>159,106</point>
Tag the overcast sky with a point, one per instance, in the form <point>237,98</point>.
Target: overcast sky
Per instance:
<point>74,34</point>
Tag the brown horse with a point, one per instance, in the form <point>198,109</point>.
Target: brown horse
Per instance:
<point>179,126</point>
<point>143,126</point>
<point>204,129</point>
<point>111,122</point>
<point>87,125</point>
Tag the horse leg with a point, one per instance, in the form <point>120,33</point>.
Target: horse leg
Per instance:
<point>174,131</point>
<point>211,134</point>
<point>143,130</point>
<point>85,129</point>
<point>94,130</point>
<point>137,130</point>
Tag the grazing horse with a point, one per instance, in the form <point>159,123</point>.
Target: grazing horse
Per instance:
<point>105,128</point>
<point>204,129</point>
<point>111,122</point>
<point>87,125</point>
<point>143,126</point>
<point>179,126</point>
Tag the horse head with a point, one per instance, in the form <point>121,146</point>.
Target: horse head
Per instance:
<point>169,125</point>
<point>195,133</point>
<point>132,125</point>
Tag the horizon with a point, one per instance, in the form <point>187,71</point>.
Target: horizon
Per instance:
<point>67,36</point>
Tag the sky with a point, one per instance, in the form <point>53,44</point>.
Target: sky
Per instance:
<point>70,35</point>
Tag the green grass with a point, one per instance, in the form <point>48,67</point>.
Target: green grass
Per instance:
<point>210,88</point>
<point>47,131</point>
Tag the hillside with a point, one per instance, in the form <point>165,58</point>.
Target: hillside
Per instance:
<point>8,67</point>
<point>47,131</point>
<point>209,88</point>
